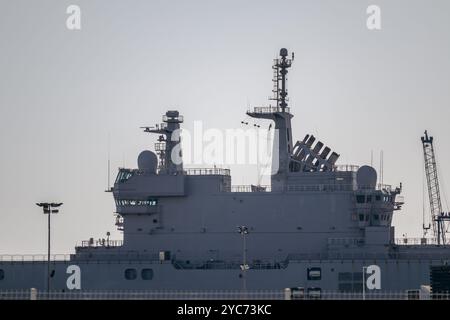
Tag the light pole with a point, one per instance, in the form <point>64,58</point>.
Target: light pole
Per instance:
<point>243,230</point>
<point>364,282</point>
<point>49,208</point>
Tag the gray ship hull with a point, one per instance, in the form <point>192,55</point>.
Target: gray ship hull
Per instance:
<point>336,275</point>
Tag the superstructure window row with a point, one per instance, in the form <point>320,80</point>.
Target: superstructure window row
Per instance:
<point>124,202</point>
<point>368,199</point>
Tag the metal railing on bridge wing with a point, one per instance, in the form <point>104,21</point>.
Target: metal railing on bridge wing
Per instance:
<point>269,109</point>
<point>207,172</point>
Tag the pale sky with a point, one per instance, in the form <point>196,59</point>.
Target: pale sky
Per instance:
<point>62,93</point>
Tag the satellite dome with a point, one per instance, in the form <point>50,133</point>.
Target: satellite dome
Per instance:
<point>147,161</point>
<point>283,52</point>
<point>172,113</point>
<point>366,177</point>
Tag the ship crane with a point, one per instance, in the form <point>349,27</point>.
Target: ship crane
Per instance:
<point>439,219</point>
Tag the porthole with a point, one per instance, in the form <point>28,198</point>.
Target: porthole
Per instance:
<point>130,274</point>
<point>147,274</point>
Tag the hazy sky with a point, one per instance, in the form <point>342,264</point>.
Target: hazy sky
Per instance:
<point>62,93</point>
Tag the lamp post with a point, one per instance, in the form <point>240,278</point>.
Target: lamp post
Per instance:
<point>49,208</point>
<point>364,282</point>
<point>243,230</point>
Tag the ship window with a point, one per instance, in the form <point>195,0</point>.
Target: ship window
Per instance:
<point>147,274</point>
<point>345,287</point>
<point>130,274</point>
<point>357,276</point>
<point>314,273</point>
<point>369,198</point>
<point>314,293</point>
<point>345,276</point>
<point>377,198</point>
<point>367,217</point>
<point>357,286</point>
<point>376,217</point>
<point>360,199</point>
<point>361,217</point>
<point>2,274</point>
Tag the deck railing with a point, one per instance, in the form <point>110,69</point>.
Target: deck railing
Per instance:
<point>282,294</point>
<point>418,241</point>
<point>33,257</point>
<point>101,243</point>
<point>306,187</point>
<point>346,167</point>
<point>207,172</point>
<point>269,109</point>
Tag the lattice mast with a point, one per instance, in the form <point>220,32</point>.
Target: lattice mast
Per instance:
<point>438,218</point>
<point>280,70</point>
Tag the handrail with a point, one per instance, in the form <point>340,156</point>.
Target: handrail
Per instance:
<point>346,167</point>
<point>250,188</point>
<point>33,257</point>
<point>269,109</point>
<point>207,172</point>
<point>101,243</point>
<point>418,241</point>
<point>303,187</point>
<point>306,187</point>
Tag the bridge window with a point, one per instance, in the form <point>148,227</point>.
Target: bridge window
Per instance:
<point>147,274</point>
<point>130,274</point>
<point>124,175</point>
<point>2,274</point>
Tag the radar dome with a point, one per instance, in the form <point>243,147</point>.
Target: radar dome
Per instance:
<point>283,52</point>
<point>147,161</point>
<point>366,177</point>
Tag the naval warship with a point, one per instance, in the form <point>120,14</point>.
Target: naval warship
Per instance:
<point>318,226</point>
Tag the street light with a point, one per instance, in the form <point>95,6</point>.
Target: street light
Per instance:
<point>364,282</point>
<point>243,230</point>
<point>49,208</point>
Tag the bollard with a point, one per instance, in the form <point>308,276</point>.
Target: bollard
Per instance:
<point>33,294</point>
<point>287,294</point>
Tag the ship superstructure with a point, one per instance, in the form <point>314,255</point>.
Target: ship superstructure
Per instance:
<point>318,225</point>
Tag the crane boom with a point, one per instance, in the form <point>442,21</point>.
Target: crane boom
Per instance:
<point>438,218</point>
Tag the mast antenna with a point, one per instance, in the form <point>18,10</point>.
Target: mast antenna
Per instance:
<point>280,71</point>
